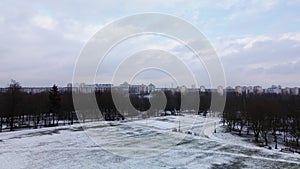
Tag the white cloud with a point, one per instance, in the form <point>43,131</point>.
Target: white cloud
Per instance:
<point>45,22</point>
<point>78,31</point>
<point>262,59</point>
<point>227,4</point>
<point>291,36</point>
<point>248,42</point>
<point>246,8</point>
<point>237,45</point>
<point>244,5</point>
<point>26,49</point>
<point>267,4</point>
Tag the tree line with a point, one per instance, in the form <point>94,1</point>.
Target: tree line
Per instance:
<point>33,110</point>
<point>260,115</point>
<point>265,116</point>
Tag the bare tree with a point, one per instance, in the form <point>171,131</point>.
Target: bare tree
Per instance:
<point>13,101</point>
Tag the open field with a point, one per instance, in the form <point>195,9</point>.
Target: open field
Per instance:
<point>148,143</point>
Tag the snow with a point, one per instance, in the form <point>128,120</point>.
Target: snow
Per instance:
<point>148,143</point>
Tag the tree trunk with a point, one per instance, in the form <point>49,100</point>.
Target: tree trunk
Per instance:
<point>71,118</point>
<point>53,119</point>
<point>275,138</point>
<point>1,118</point>
<point>248,130</point>
<point>241,128</point>
<point>256,138</point>
<point>11,123</point>
<point>256,134</point>
<point>266,139</point>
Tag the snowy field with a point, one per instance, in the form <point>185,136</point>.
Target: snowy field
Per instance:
<point>150,143</point>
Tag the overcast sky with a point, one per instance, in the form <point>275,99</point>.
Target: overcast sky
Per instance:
<point>257,41</point>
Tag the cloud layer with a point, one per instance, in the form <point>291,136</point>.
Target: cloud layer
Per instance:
<point>258,41</point>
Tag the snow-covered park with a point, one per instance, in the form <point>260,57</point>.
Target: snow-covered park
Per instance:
<point>162,142</point>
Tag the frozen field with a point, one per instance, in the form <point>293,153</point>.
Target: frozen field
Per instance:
<point>147,143</point>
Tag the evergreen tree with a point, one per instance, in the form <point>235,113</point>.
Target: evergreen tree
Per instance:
<point>55,103</point>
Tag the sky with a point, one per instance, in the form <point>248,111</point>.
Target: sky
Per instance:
<point>258,42</point>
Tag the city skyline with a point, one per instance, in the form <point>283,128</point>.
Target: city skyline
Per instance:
<point>166,85</point>
<point>150,87</point>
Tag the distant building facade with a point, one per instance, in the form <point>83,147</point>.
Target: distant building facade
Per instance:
<point>274,89</point>
<point>295,91</point>
<point>258,90</point>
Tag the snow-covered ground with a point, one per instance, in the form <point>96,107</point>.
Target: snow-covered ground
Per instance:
<point>148,143</point>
